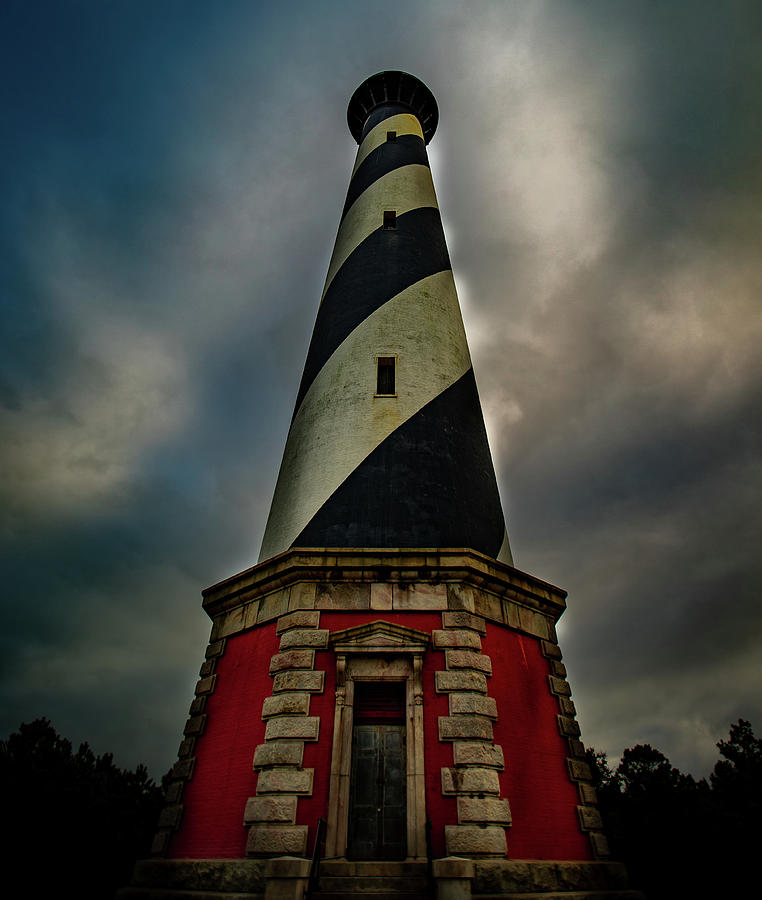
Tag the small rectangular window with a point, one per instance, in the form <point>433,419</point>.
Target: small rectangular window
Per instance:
<point>385,381</point>
<point>391,135</point>
<point>390,219</point>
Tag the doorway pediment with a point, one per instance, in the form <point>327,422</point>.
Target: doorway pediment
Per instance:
<point>379,637</point>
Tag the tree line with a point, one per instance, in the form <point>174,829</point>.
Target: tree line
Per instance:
<point>77,821</point>
<point>680,837</point>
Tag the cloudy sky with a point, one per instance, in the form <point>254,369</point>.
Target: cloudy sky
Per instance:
<point>173,175</point>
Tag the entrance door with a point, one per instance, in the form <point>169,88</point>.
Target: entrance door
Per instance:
<point>377,808</point>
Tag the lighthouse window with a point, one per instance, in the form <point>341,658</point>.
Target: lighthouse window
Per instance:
<point>391,135</point>
<point>390,219</point>
<point>385,381</point>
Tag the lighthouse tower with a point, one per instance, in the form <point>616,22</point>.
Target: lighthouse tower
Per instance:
<point>384,691</point>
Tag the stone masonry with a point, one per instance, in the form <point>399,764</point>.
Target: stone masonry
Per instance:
<point>182,771</point>
<point>271,814</point>
<point>577,768</point>
<point>482,814</point>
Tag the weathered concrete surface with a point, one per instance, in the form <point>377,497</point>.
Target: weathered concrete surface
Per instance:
<point>516,876</point>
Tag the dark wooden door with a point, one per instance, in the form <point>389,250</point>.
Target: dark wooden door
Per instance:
<point>377,815</point>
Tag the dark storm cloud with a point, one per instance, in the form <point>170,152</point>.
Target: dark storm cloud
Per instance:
<point>623,389</point>
<point>173,178</point>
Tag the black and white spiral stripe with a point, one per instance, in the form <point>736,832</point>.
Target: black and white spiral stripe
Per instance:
<point>412,470</point>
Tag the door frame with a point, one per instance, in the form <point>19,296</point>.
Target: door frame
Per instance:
<point>378,651</point>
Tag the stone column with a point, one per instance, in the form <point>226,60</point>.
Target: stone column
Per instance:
<point>286,878</point>
<point>452,876</point>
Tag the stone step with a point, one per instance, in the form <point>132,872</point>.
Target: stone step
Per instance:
<point>368,884</point>
<point>361,895</point>
<point>345,868</point>
<point>163,893</point>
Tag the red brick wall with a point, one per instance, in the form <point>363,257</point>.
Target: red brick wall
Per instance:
<point>223,779</point>
<point>535,782</point>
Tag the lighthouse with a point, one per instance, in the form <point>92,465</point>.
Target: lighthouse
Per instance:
<point>383,706</point>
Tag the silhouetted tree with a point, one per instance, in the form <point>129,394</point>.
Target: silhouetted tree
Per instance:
<point>680,837</point>
<point>737,794</point>
<point>76,822</point>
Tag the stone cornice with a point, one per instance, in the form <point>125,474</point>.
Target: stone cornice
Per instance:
<point>392,566</point>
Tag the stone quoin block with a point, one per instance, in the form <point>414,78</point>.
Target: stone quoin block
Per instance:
<point>270,809</point>
<point>279,753</point>
<point>576,748</point>
<point>589,818</point>
<point>599,844</point>
<point>183,769</point>
<point>198,705</point>
<point>206,685</point>
<point>444,639</point>
<point>299,680</point>
<point>195,726</point>
<point>467,659</point>
<point>288,703</point>
<point>277,840</point>
<point>304,637</point>
<point>300,728</point>
<point>568,727</point>
<point>578,770</point>
<point>470,781</point>
<point>483,809</point>
<point>215,649</point>
<point>170,816</point>
<point>455,728</point>
<point>207,668</point>
<point>292,659</point>
<point>471,840</point>
<point>559,686</point>
<point>303,618</point>
<point>557,668</point>
<point>444,682</point>
<point>473,704</point>
<point>477,753</point>
<point>550,649</point>
<point>285,781</point>
<point>186,748</point>
<point>567,707</point>
<point>587,793</point>
<point>174,792</point>
<point>462,619</point>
